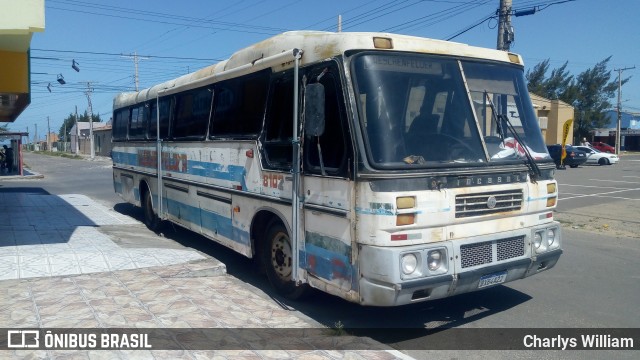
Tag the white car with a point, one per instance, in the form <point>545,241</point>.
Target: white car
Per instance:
<point>597,156</point>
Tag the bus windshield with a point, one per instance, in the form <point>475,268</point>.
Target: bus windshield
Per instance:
<point>434,111</point>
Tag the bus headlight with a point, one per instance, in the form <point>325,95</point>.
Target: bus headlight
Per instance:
<point>551,237</point>
<point>434,259</point>
<point>537,239</point>
<point>408,263</point>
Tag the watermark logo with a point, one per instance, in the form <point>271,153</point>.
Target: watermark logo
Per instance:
<point>23,339</point>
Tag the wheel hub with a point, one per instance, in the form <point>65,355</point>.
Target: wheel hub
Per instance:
<point>281,258</point>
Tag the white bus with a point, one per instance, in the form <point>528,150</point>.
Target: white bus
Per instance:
<point>384,169</point>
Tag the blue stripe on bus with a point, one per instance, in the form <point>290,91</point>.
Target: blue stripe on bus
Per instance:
<point>124,158</point>
<point>215,223</point>
<point>198,168</point>
<point>217,171</point>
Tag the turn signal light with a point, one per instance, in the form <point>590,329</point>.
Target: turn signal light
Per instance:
<point>405,219</point>
<point>551,201</point>
<point>405,202</point>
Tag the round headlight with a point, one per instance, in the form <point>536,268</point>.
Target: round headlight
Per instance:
<point>434,259</point>
<point>409,262</point>
<point>537,240</point>
<point>551,237</point>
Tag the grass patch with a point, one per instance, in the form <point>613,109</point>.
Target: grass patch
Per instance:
<point>58,153</point>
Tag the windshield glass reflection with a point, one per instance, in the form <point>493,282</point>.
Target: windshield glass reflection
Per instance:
<point>416,112</point>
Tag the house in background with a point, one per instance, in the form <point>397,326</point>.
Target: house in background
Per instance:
<point>81,142</point>
<point>629,130</point>
<point>552,114</point>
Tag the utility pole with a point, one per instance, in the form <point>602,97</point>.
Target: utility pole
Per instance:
<point>88,93</point>
<point>505,31</point>
<point>77,147</point>
<point>48,135</point>
<point>136,60</point>
<point>339,23</point>
<point>35,138</point>
<point>619,110</point>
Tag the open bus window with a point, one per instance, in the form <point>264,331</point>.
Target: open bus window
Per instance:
<point>332,143</point>
<point>278,131</point>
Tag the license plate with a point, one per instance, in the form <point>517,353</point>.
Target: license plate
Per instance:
<point>492,279</point>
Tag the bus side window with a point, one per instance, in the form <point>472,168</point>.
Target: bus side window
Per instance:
<point>333,144</point>
<point>138,123</point>
<point>278,132</point>
<point>165,116</point>
<point>121,124</point>
<point>239,106</point>
<point>192,114</point>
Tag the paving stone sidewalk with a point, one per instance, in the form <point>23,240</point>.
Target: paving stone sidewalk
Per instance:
<point>59,268</point>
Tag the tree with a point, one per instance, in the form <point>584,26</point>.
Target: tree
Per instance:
<point>555,86</point>
<point>589,92</point>
<point>590,96</point>
<point>68,123</point>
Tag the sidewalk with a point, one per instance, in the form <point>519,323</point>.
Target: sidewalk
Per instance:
<point>61,267</point>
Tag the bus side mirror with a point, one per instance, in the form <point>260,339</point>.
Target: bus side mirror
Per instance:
<point>314,110</point>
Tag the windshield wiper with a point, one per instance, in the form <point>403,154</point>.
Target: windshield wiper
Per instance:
<point>534,170</point>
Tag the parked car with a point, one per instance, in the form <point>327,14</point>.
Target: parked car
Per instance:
<point>598,145</point>
<point>598,157</point>
<point>574,157</point>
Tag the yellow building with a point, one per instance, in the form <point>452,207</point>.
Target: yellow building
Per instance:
<point>19,19</point>
<point>552,115</point>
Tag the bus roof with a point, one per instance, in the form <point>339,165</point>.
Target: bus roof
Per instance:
<point>316,46</point>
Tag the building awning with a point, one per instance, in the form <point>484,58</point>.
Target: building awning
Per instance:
<point>19,19</point>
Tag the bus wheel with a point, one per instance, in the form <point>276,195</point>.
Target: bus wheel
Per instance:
<point>150,218</point>
<point>279,263</point>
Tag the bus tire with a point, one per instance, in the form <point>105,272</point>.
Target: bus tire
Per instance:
<point>150,218</point>
<point>277,257</point>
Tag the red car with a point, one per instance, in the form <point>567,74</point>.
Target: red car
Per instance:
<point>598,145</point>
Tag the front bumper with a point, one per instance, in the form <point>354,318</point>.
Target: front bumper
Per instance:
<point>391,290</point>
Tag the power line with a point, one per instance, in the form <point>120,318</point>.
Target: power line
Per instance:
<point>437,17</point>
<point>153,15</point>
<point>120,54</point>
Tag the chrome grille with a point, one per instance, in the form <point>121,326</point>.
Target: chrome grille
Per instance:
<point>483,253</point>
<point>510,248</point>
<point>480,204</point>
<point>476,254</point>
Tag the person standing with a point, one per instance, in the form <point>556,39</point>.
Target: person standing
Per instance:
<point>8,158</point>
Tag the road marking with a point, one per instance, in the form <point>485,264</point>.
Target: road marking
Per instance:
<point>616,181</point>
<point>599,195</point>
<point>591,186</point>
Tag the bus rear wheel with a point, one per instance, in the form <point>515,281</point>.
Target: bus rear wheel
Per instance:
<point>278,258</point>
<point>150,218</point>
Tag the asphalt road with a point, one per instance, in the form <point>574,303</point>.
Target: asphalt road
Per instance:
<point>596,283</point>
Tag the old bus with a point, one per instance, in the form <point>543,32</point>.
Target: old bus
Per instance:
<point>384,169</point>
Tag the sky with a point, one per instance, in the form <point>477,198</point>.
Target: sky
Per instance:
<point>172,38</point>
